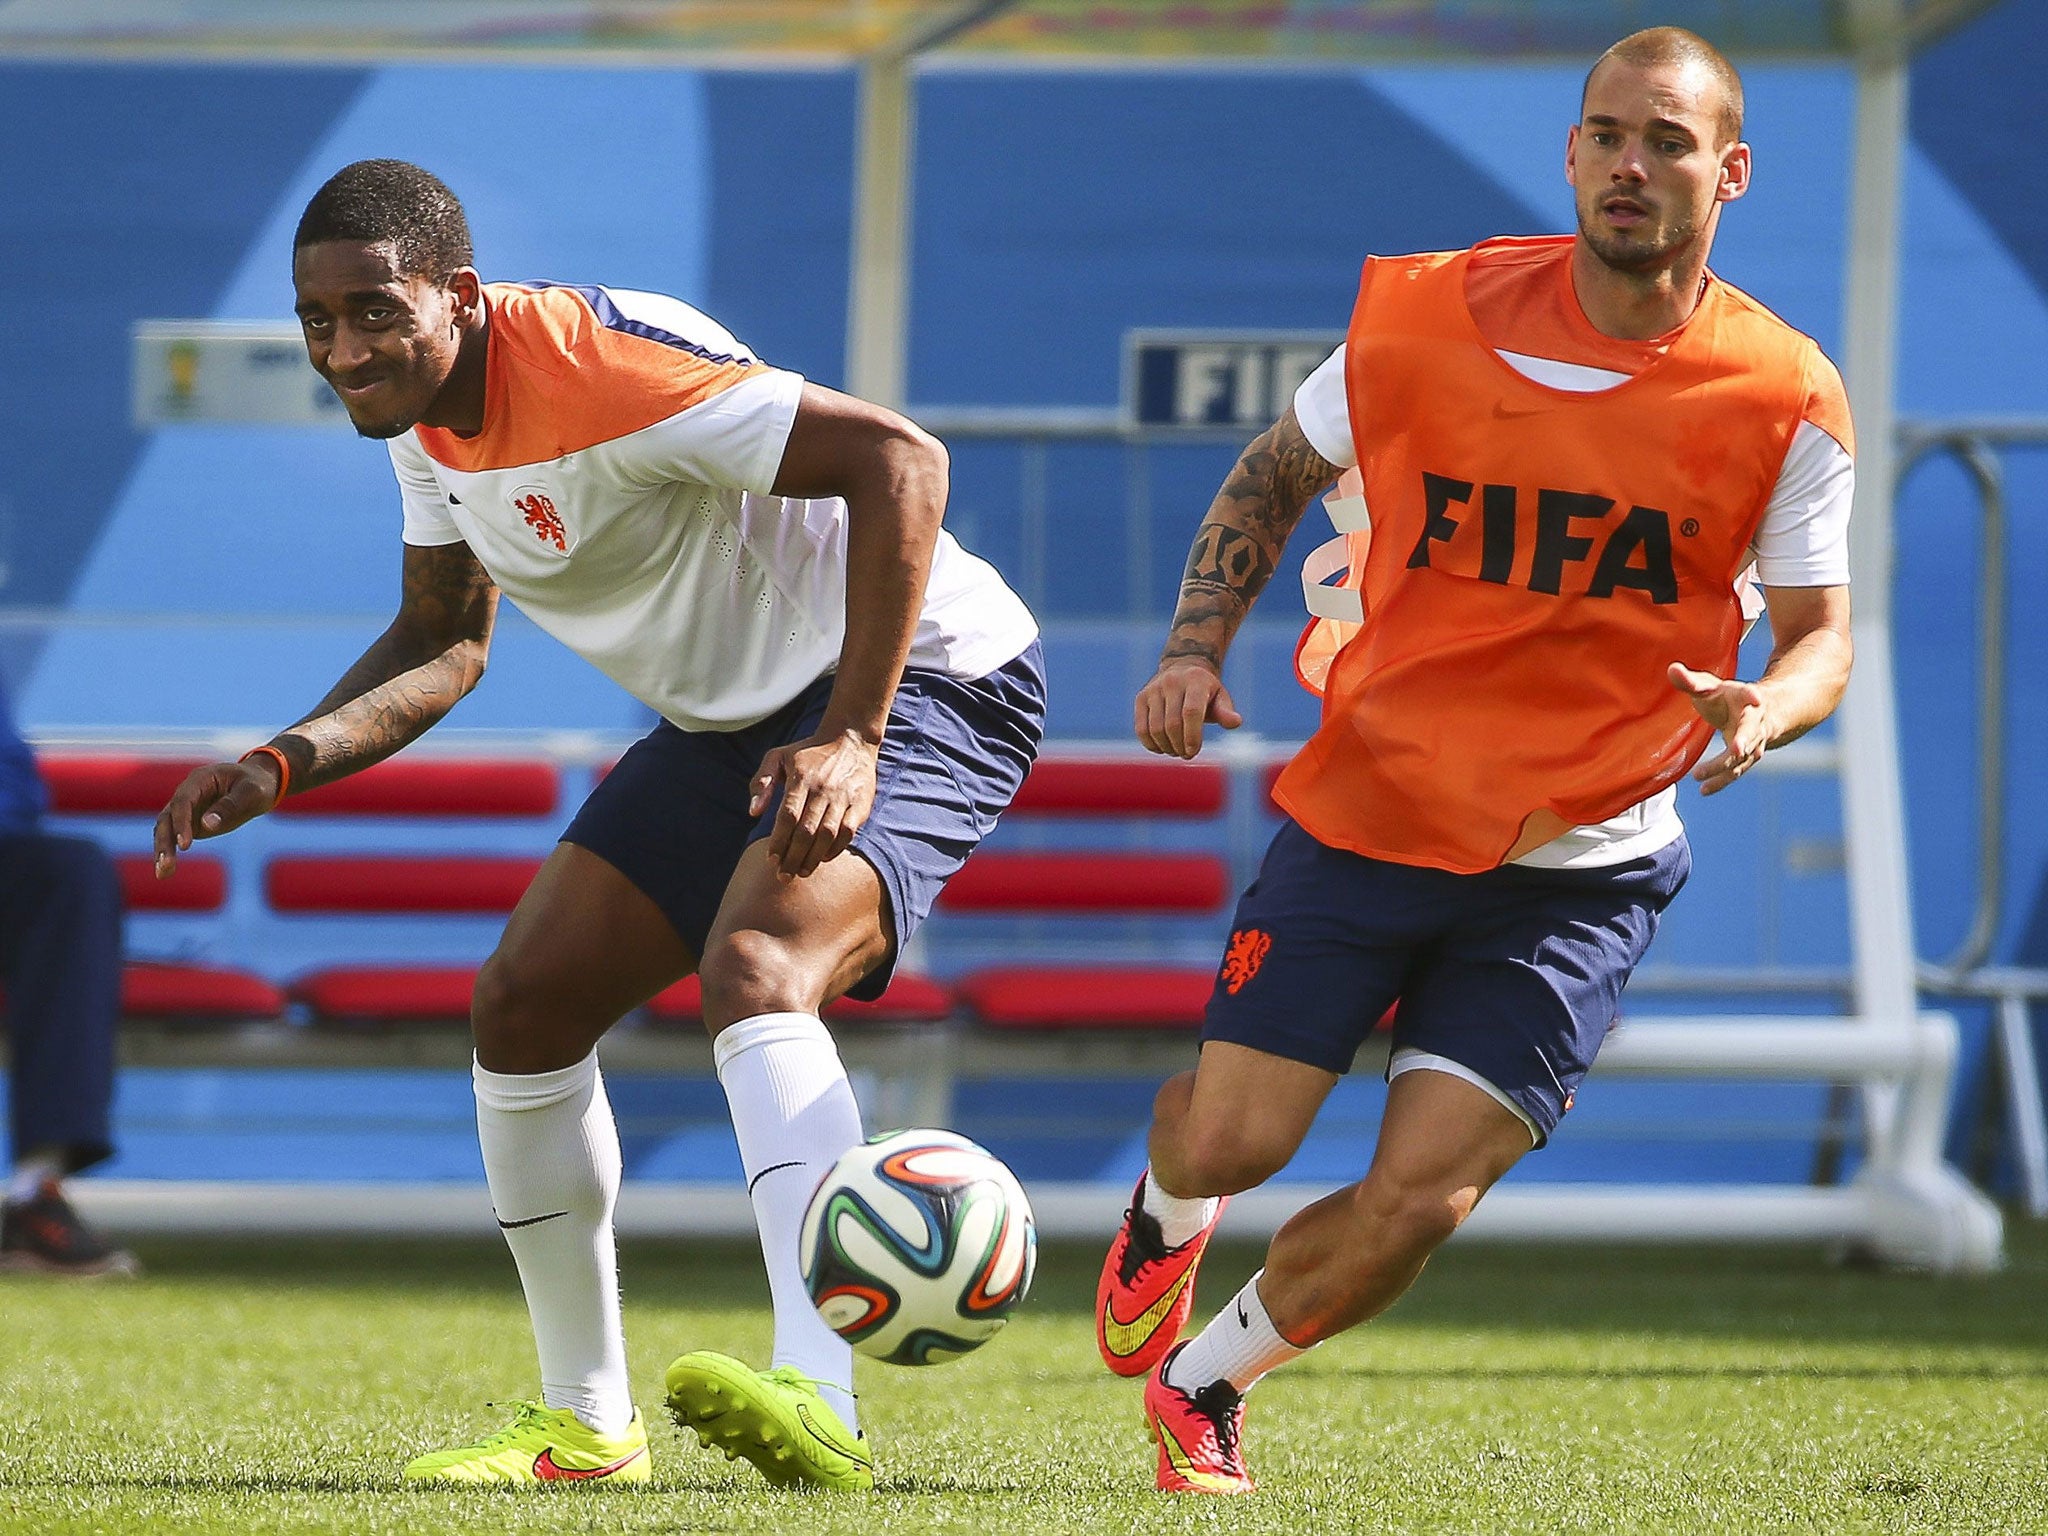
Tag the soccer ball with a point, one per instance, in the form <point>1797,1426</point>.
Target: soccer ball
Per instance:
<point>917,1247</point>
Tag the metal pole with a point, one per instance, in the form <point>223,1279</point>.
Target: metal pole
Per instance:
<point>876,311</point>
<point>1880,910</point>
<point>2023,1100</point>
<point>878,305</point>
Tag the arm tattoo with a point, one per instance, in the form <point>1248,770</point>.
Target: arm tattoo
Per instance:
<point>414,673</point>
<point>1239,544</point>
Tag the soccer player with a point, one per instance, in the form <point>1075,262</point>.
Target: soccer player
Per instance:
<point>1573,451</point>
<point>848,700</point>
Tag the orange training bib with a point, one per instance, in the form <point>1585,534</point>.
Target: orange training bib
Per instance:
<point>1536,559</point>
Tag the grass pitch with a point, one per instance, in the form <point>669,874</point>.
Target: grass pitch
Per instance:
<point>278,1387</point>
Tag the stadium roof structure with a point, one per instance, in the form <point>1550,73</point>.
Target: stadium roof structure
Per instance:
<point>888,40</point>
<point>737,31</point>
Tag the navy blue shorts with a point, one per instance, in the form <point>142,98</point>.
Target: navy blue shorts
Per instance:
<point>1514,974</point>
<point>672,816</point>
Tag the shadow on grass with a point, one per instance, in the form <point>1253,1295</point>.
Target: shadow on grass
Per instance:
<point>1775,1295</point>
<point>205,1482</point>
<point>1761,1372</point>
<point>925,1486</point>
<point>380,1485</point>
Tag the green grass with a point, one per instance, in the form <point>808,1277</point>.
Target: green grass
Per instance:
<point>278,1387</point>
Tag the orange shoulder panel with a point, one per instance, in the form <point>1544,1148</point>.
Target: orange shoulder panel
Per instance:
<point>559,380</point>
<point>1827,401</point>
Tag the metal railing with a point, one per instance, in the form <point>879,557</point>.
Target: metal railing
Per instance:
<point>1978,446</point>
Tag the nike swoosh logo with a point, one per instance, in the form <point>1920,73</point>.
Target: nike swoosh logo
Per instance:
<point>546,1469</point>
<point>1242,1320</point>
<point>531,1221</point>
<point>772,1168</point>
<point>1184,1464</point>
<point>1127,1338</point>
<point>819,1433</point>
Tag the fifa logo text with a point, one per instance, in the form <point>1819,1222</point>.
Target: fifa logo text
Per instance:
<point>1634,553</point>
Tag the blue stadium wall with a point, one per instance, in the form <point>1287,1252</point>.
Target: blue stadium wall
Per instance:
<point>1055,210</point>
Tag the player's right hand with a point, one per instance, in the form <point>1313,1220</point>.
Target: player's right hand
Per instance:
<point>215,799</point>
<point>1171,710</point>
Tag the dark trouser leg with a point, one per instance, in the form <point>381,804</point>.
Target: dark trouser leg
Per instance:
<point>60,957</point>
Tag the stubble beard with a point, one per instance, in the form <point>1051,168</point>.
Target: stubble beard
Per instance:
<point>1631,254</point>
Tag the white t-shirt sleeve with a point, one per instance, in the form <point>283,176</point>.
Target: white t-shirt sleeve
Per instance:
<point>1803,540</point>
<point>733,441</point>
<point>420,497</point>
<point>1324,411</point>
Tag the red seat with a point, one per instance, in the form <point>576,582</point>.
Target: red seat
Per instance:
<point>908,1000</point>
<point>436,787</point>
<point>159,990</point>
<point>199,884</point>
<point>104,784</point>
<point>1088,997</point>
<point>1134,883</point>
<point>1094,997</point>
<point>427,883</point>
<point>1268,777</point>
<point>1120,787</point>
<point>384,993</point>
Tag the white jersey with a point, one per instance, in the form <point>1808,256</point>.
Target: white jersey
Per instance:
<point>1803,541</point>
<point>619,493</point>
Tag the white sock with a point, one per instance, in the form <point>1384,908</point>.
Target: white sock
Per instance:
<point>1179,1220</point>
<point>27,1178</point>
<point>551,1153</point>
<point>793,1113</point>
<point>1239,1346</point>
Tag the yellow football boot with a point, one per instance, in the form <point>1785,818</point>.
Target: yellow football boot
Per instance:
<point>541,1445</point>
<point>775,1419</point>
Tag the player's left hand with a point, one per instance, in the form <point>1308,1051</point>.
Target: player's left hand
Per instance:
<point>828,788</point>
<point>1738,711</point>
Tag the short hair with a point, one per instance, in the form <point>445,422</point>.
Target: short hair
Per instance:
<point>392,202</point>
<point>1675,45</point>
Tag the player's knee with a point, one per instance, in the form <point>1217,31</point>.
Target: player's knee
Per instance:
<point>1224,1159</point>
<point>1413,1216</point>
<point>516,1027</point>
<point>749,972</point>
<point>1171,1104</point>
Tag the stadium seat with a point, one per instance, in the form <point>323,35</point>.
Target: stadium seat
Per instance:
<point>437,883</point>
<point>1129,883</point>
<point>1087,997</point>
<point>909,1000</point>
<point>427,786</point>
<point>1122,787</point>
<point>161,990</point>
<point>393,886</point>
<point>200,884</point>
<point>1097,883</point>
<point>112,784</point>
<point>387,994</point>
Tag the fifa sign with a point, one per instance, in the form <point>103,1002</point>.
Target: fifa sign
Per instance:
<point>225,371</point>
<point>1234,381</point>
